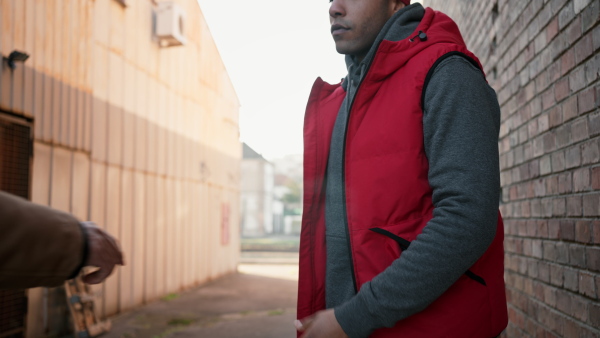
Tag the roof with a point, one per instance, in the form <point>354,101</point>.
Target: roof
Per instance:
<point>248,153</point>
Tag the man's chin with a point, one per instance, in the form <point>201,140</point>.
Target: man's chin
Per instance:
<point>340,48</point>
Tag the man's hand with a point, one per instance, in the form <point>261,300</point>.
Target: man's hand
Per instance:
<point>104,253</point>
<point>321,324</point>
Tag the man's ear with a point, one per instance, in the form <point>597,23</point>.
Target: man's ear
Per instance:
<point>396,5</point>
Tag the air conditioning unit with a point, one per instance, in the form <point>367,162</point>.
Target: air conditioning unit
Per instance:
<point>170,24</point>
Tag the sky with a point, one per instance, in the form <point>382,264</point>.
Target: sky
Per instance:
<point>273,51</point>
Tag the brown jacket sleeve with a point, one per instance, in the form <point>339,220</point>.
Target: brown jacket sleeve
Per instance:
<point>39,246</point>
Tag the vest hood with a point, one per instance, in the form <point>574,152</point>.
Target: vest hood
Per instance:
<point>391,54</point>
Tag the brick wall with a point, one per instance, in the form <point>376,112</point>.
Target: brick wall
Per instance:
<point>542,58</point>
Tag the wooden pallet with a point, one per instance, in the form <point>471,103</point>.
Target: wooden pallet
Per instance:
<point>81,304</point>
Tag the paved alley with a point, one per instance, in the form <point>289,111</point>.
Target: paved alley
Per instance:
<point>257,301</point>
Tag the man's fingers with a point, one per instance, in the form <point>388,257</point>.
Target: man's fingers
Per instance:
<point>111,245</point>
<point>113,251</point>
<point>304,323</point>
<point>98,276</point>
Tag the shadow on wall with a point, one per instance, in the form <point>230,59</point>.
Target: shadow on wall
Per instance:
<point>159,191</point>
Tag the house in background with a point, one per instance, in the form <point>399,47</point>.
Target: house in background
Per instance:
<point>288,189</point>
<point>258,207</point>
<point>123,114</point>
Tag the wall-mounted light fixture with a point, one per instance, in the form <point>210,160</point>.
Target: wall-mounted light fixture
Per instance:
<point>14,57</point>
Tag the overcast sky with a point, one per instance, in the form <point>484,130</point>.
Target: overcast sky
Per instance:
<point>273,51</point>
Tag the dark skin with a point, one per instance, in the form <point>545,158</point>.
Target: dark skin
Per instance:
<point>354,27</point>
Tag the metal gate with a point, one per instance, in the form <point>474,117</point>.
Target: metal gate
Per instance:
<point>16,146</point>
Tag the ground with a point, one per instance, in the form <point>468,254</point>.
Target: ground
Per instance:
<point>257,301</point>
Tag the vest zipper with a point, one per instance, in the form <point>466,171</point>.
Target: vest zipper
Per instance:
<point>344,166</point>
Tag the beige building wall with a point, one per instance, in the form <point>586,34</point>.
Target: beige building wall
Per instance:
<point>141,139</point>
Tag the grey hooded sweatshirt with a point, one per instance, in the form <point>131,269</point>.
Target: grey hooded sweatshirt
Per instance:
<point>461,121</point>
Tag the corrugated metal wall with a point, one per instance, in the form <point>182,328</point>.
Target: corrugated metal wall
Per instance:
<point>140,139</point>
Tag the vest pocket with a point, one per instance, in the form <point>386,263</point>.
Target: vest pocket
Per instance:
<point>404,244</point>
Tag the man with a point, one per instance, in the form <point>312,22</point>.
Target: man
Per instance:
<point>40,246</point>
<point>401,234</point>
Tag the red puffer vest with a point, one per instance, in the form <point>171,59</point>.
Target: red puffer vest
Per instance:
<point>384,138</point>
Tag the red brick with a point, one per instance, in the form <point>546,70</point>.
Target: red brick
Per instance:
<point>544,272</point>
<point>534,171</point>
<point>590,153</point>
<point>558,161</point>
<point>566,15</point>
<point>596,231</point>
<point>550,295</point>
<point>526,212</point>
<point>563,301</point>
<point>549,142</point>
<point>587,100</point>
<point>592,257</point>
<point>550,253</point>
<point>577,255</point>
<point>581,180</point>
<point>562,248</point>
<point>594,314</point>
<point>567,230</point>
<point>574,205</point>
<point>579,306</point>
<point>561,89</point>
<point>554,71</point>
<point>591,205</point>
<point>538,146</point>
<point>573,157</point>
<point>552,29</point>
<point>554,229</point>
<point>563,135</point>
<point>548,99</point>
<point>547,204</point>
<point>590,14</point>
<point>596,37</point>
<point>577,79</point>
<point>579,130</point>
<point>571,279</point>
<point>545,166</point>
<point>541,81</point>
<point>592,71</point>
<point>565,184</point>
<point>574,31</point>
<point>596,178</point>
<point>583,232</point>
<point>535,207</point>
<point>571,329</point>
<point>527,151</point>
<point>523,134</point>
<point>559,207</point>
<point>587,286</point>
<point>535,106</point>
<point>542,229</point>
<point>594,124</point>
<point>584,48</point>
<point>567,62</point>
<point>555,118</point>
<point>569,108</point>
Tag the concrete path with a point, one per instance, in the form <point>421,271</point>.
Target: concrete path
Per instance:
<point>257,301</point>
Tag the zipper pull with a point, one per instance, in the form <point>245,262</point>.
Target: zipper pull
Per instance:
<point>421,35</point>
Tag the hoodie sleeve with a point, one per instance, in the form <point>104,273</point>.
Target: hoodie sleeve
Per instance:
<point>461,122</point>
<point>39,246</point>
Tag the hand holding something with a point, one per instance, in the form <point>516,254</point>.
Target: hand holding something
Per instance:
<point>321,324</point>
<point>103,252</point>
